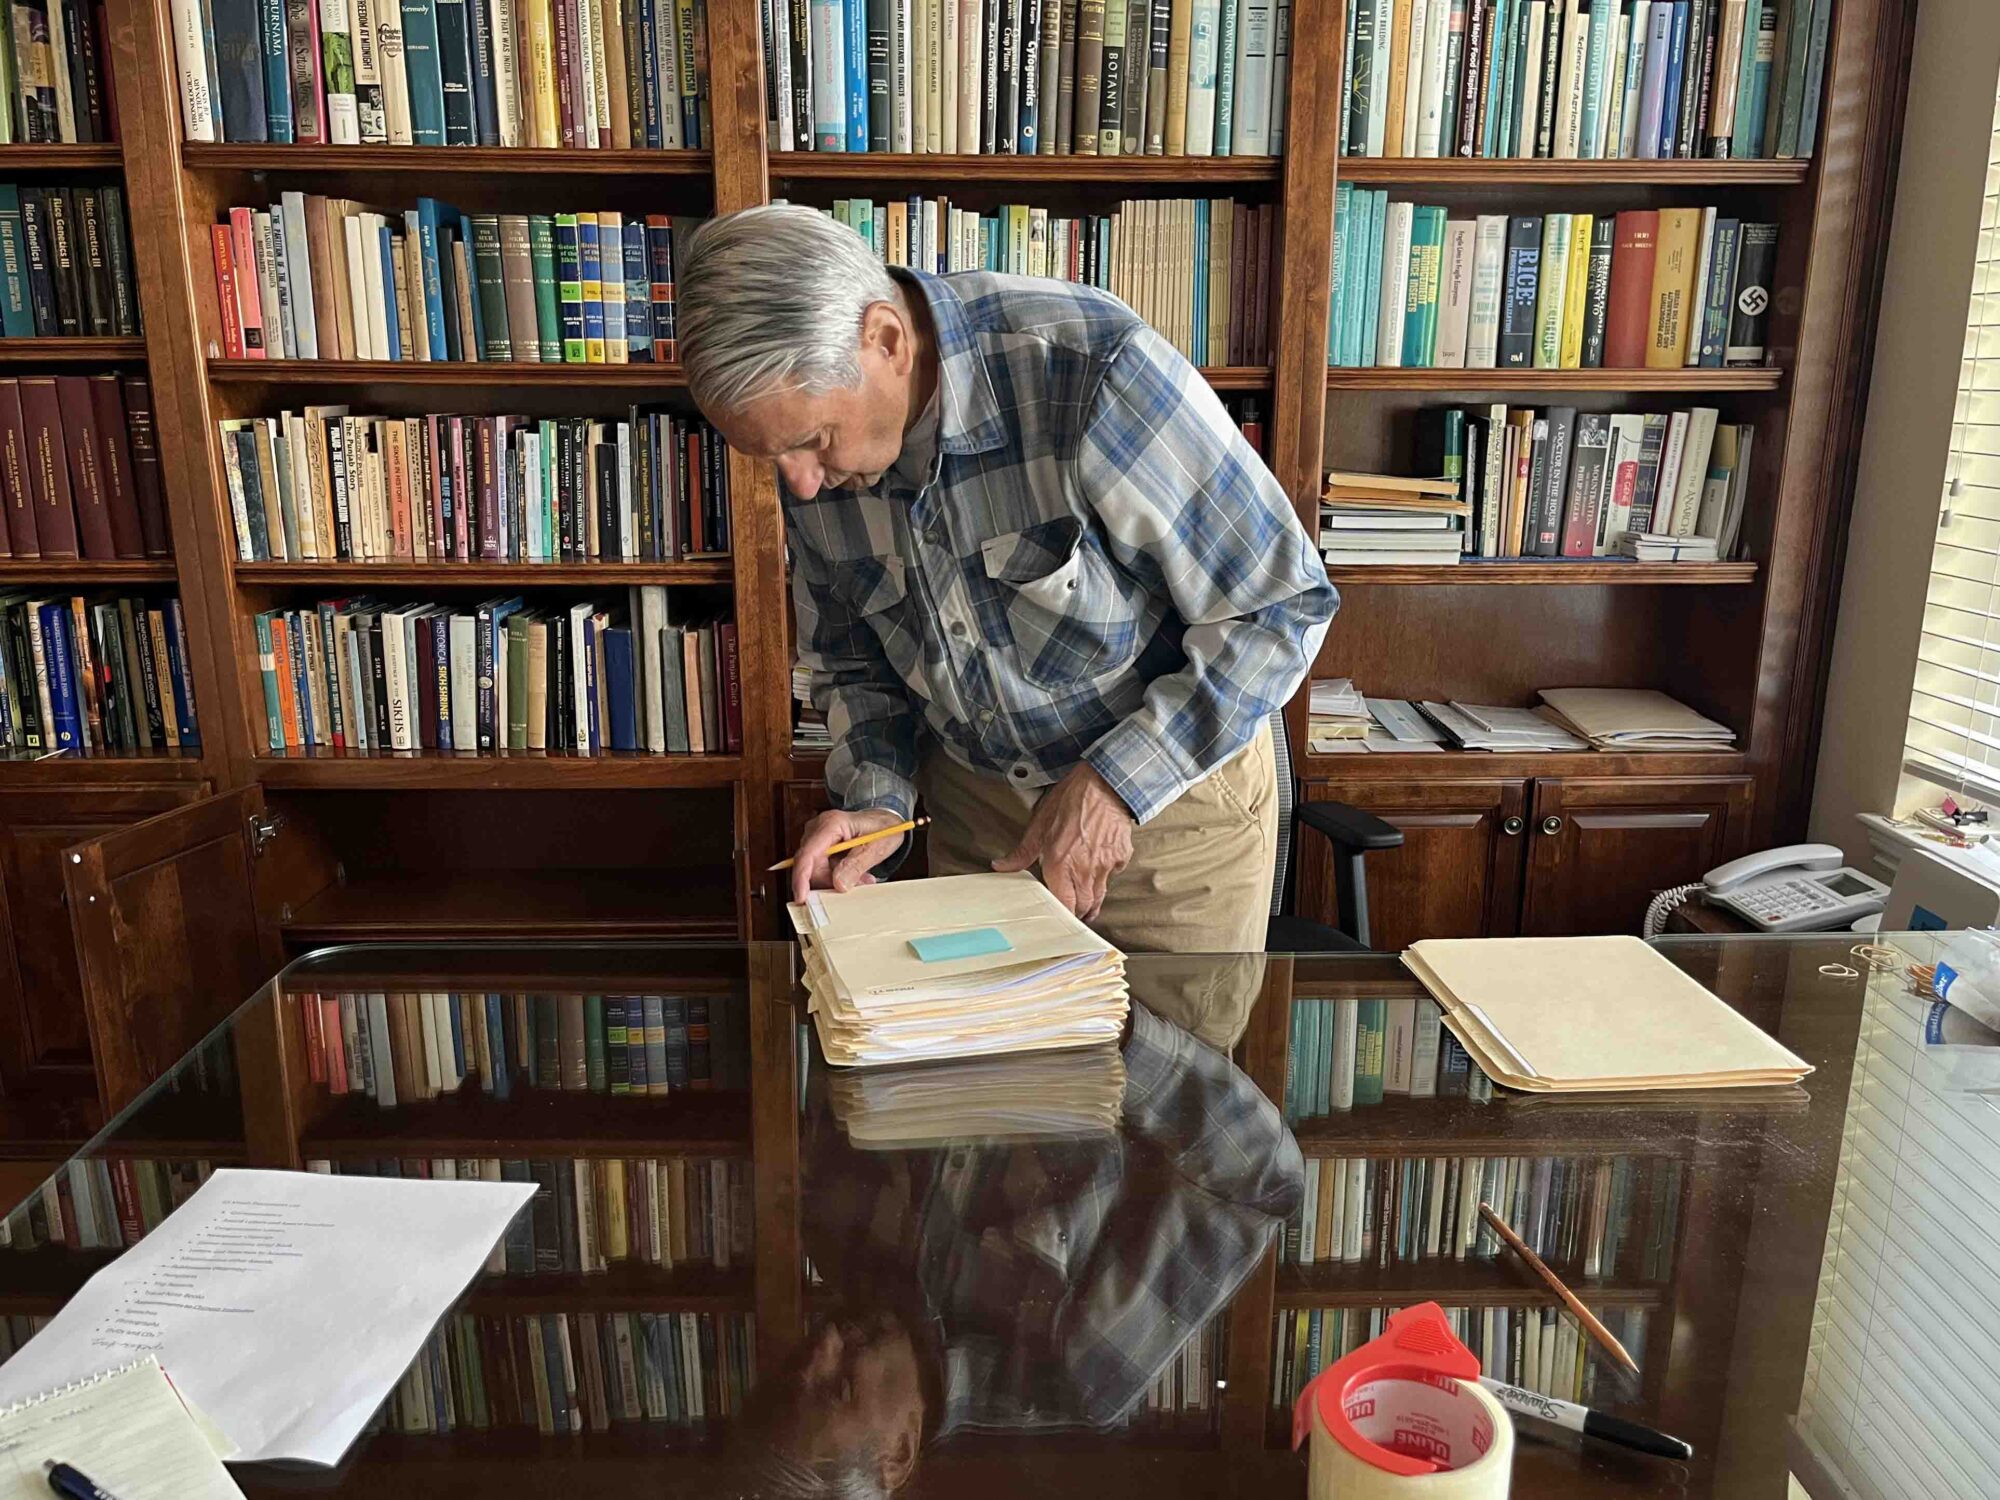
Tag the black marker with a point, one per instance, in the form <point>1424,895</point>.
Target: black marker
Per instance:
<point>1597,1424</point>
<point>71,1484</point>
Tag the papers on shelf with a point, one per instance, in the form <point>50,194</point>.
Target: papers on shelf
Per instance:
<point>1377,741</point>
<point>1036,1096</point>
<point>1339,712</point>
<point>1480,726</point>
<point>127,1429</point>
<point>1387,519</point>
<point>1401,721</point>
<point>1635,719</point>
<point>874,1001</point>
<point>1648,546</point>
<point>1592,1014</point>
<point>286,1304</point>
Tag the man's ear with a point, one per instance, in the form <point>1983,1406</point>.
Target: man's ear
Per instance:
<point>899,1459</point>
<point>883,328</point>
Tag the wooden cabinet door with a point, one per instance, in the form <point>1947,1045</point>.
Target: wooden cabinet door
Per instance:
<point>44,1038</point>
<point>177,924</point>
<point>1458,873</point>
<point>1599,848</point>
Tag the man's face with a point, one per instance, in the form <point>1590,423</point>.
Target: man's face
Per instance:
<point>845,439</point>
<point>853,1390</point>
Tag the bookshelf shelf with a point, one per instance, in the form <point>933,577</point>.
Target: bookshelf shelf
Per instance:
<point>1449,764</point>
<point>1478,172</point>
<point>416,905</point>
<point>40,1281</point>
<point>1112,171</point>
<point>448,574</point>
<point>445,161</point>
<point>53,157</point>
<point>458,374</point>
<point>1523,571</point>
<point>1237,377</point>
<point>22,769</point>
<point>1455,1283</point>
<point>534,1122</point>
<point>70,351</point>
<point>1506,1126</point>
<point>517,770</point>
<point>1691,382</point>
<point>85,571</point>
<point>628,1286</point>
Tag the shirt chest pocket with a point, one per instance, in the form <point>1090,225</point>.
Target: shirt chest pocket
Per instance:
<point>1068,615</point>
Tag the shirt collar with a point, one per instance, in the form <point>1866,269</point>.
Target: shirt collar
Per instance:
<point>969,418</point>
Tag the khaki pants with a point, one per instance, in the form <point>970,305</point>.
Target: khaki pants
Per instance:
<point>1201,871</point>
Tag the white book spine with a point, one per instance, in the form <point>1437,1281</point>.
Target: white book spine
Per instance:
<point>1352,1224</point>
<point>949,44</point>
<point>971,75</point>
<point>1251,129</point>
<point>1337,1219</point>
<point>1398,1048</point>
<point>1404,130</point>
<point>464,687</point>
<point>58,74</point>
<point>1378,98</point>
<point>829,76</point>
<point>191,59</point>
<point>1423,1070</point>
<point>506,78</point>
<point>357,286</point>
<point>1668,485</point>
<point>395,74</point>
<point>899,75</point>
<point>1693,473</point>
<point>1203,38</point>
<point>1281,72</point>
<point>1554,279</point>
<point>1489,252</point>
<point>1704,260</point>
<point>1432,86</point>
<point>1309,1209</point>
<point>1345,1018</point>
<point>778,59</point>
<point>1455,294</point>
<point>1635,70</point>
<point>1530,103</point>
<point>1395,285</point>
<point>1570,79</point>
<point>1613,124</point>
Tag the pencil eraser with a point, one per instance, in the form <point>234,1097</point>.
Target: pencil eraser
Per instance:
<point>971,943</point>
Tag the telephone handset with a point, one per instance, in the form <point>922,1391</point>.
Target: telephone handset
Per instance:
<point>1797,888</point>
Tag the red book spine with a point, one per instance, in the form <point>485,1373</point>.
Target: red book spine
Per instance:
<point>1627,323</point>
<point>732,688</point>
<point>335,1042</point>
<point>16,494</point>
<point>563,15</point>
<point>225,292</point>
<point>432,470</point>
<point>48,470</point>
<point>86,453</point>
<point>125,1194</point>
<point>249,295</point>
<point>114,467</point>
<point>309,1018</point>
<point>489,493</point>
<point>145,468</point>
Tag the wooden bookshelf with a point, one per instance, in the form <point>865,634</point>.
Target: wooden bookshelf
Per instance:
<point>86,572</point>
<point>22,353</point>
<point>57,156</point>
<point>1528,570</point>
<point>482,574</point>
<point>1534,386</point>
<point>514,770</point>
<point>445,161</point>
<point>1478,172</point>
<point>1118,172</point>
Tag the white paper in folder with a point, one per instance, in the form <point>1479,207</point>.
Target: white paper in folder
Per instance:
<point>1549,1015</point>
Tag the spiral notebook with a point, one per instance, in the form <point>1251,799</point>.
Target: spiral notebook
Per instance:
<point>127,1429</point>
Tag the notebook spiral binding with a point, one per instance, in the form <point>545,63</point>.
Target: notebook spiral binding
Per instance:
<point>77,1385</point>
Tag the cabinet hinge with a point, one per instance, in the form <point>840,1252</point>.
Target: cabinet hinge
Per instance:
<point>263,829</point>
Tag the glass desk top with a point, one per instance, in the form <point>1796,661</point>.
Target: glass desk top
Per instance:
<point>1100,1272</point>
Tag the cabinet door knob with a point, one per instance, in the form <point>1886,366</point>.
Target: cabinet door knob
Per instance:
<point>1552,824</point>
<point>1513,824</point>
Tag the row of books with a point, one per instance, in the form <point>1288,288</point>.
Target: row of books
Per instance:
<point>66,263</point>
<point>405,1046</point>
<point>1182,1396</point>
<point>1028,77</point>
<point>576,1372</point>
<point>17,1328</point>
<point>80,468</point>
<point>591,678</point>
<point>1666,288</point>
<point>100,1203</point>
<point>594,74</point>
<point>589,1214</point>
<point>329,278</point>
<point>1374,519</point>
<point>1605,1216</point>
<point>1534,1346</point>
<point>55,73</point>
<point>1197,269</point>
<point>1348,1052</point>
<point>82,673</point>
<point>1574,79</point>
<point>1558,483</point>
<point>324,485</point>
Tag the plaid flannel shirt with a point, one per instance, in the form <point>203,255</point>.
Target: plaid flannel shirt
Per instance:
<point>1060,1278</point>
<point>1100,568</point>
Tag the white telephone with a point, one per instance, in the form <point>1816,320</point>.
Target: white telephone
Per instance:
<point>1798,888</point>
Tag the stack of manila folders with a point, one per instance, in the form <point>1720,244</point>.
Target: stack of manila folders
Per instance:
<point>959,966</point>
<point>1030,1097</point>
<point>1634,719</point>
<point>1376,519</point>
<point>1592,1015</point>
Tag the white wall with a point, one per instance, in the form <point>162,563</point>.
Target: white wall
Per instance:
<point>1940,182</point>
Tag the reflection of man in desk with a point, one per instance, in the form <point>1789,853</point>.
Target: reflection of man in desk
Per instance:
<point>1028,1287</point>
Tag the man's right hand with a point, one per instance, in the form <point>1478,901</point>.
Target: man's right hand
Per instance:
<point>813,869</point>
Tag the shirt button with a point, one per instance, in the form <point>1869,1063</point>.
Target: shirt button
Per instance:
<point>958,628</point>
<point>986,716</point>
<point>935,536</point>
<point>1020,773</point>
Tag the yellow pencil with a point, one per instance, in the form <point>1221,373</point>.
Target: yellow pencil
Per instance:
<point>1588,1319</point>
<point>866,838</point>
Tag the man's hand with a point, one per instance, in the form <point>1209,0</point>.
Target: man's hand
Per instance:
<point>1082,834</point>
<point>812,869</point>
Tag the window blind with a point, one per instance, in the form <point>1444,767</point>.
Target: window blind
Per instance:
<point>1952,738</point>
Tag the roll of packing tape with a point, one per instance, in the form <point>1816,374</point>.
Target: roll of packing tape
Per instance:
<point>1404,1417</point>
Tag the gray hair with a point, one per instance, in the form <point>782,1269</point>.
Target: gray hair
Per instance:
<point>771,299</point>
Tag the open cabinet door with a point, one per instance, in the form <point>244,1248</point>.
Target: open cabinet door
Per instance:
<point>175,927</point>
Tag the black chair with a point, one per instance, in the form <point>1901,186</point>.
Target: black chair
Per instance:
<point>1352,833</point>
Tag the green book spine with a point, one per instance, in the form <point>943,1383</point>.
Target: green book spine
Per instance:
<point>617,1078</point>
<point>267,665</point>
<point>1343,235</point>
<point>569,285</point>
<point>1420,303</point>
<point>489,278</point>
<point>548,311</point>
<point>1225,75</point>
<point>593,1042</point>
<point>517,682</point>
<point>1370,1035</point>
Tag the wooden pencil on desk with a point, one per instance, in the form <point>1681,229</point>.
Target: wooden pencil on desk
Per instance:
<point>867,838</point>
<point>1584,1315</point>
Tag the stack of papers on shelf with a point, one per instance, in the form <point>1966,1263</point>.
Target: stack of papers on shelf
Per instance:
<point>1592,1015</point>
<point>961,966</point>
<point>1650,546</point>
<point>1339,712</point>
<point>809,731</point>
<point>1635,719</point>
<point>1403,723</point>
<point>1036,1096</point>
<point>1482,726</point>
<point>1386,518</point>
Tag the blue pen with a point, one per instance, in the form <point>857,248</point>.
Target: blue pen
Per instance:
<point>72,1484</point>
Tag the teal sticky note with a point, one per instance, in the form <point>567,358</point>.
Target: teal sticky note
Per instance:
<point>971,943</point>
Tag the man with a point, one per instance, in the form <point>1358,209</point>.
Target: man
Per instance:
<point>1041,580</point>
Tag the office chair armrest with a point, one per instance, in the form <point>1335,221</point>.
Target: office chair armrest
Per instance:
<point>1349,827</point>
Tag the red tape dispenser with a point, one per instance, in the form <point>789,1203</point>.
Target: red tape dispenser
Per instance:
<point>1404,1416</point>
